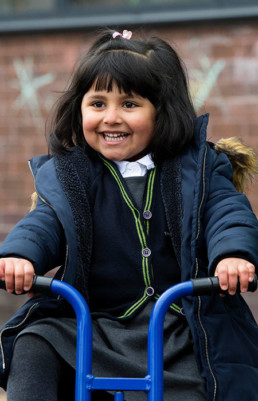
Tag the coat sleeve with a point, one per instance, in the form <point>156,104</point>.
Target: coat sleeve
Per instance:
<point>38,237</point>
<point>231,227</point>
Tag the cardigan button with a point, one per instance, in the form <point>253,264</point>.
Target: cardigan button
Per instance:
<point>147,214</point>
<point>146,252</point>
<point>150,291</point>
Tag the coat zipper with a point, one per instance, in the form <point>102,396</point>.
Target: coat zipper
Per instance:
<point>14,327</point>
<point>196,273</point>
<point>206,342</point>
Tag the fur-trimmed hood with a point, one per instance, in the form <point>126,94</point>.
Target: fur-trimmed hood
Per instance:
<point>243,158</point>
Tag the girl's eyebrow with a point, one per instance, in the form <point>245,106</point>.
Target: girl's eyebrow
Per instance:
<point>95,97</point>
<point>123,96</point>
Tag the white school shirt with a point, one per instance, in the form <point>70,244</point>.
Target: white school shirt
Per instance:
<point>135,169</point>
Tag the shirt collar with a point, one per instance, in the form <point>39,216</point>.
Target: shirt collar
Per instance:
<point>145,161</point>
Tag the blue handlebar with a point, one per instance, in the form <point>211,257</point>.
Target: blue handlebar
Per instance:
<point>155,336</point>
<point>153,382</point>
<point>84,336</point>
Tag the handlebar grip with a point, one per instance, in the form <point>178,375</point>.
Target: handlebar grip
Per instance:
<point>210,286</point>
<point>40,284</point>
<point>201,286</point>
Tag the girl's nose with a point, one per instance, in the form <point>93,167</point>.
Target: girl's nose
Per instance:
<point>112,116</point>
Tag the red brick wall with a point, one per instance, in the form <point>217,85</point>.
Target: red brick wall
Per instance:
<point>224,57</point>
<point>221,59</point>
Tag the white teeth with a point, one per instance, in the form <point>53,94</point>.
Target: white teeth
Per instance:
<point>108,136</point>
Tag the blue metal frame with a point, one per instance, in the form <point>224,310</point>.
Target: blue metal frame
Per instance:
<point>85,381</point>
<point>84,336</point>
<point>155,336</point>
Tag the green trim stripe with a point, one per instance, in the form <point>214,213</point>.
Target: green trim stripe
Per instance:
<point>136,215</point>
<point>139,227</point>
<point>173,306</point>
<point>134,307</point>
<point>150,189</point>
<point>129,203</point>
<point>149,197</point>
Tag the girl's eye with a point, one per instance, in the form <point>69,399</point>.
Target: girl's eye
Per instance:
<point>129,105</point>
<point>98,104</point>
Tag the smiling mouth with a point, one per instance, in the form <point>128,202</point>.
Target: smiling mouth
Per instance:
<point>114,137</point>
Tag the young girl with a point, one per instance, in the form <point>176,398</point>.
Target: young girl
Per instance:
<point>131,200</point>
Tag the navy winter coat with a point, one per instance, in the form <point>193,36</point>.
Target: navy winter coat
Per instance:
<point>215,222</point>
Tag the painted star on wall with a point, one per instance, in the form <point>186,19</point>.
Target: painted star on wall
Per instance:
<point>28,85</point>
<point>204,79</point>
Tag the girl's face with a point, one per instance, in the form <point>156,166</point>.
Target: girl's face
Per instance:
<point>117,125</point>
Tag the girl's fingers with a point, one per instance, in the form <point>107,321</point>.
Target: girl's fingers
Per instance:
<point>229,270</point>
<point>222,273</point>
<point>251,270</point>
<point>243,276</point>
<point>232,279</point>
<point>19,277</point>
<point>9,275</point>
<point>28,276</point>
<point>17,274</point>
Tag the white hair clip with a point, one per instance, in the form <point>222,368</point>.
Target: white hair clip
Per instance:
<point>126,34</point>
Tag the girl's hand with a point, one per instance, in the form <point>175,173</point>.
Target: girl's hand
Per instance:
<point>230,269</point>
<point>17,274</point>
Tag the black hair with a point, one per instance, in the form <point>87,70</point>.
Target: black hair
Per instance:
<point>148,67</point>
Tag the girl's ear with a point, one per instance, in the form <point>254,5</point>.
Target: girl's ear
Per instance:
<point>243,159</point>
